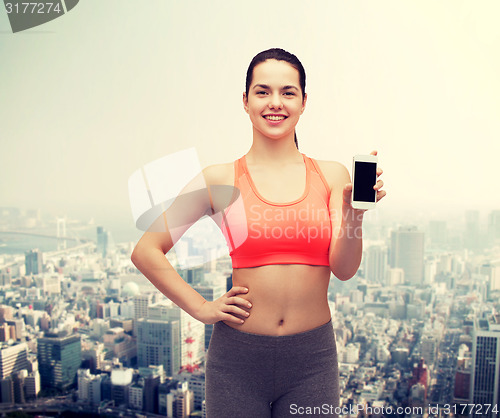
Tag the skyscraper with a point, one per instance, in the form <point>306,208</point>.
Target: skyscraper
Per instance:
<point>375,263</point>
<point>59,357</point>
<point>494,225</point>
<point>192,275</point>
<point>192,333</point>
<point>33,261</point>
<point>13,358</point>
<point>158,343</point>
<point>104,241</point>
<point>492,271</point>
<point>141,303</point>
<point>485,364</point>
<point>472,231</point>
<point>438,233</point>
<point>407,252</point>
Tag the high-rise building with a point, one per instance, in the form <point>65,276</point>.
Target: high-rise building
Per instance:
<point>153,376</point>
<point>472,233</point>
<point>192,275</point>
<point>104,241</point>
<point>6,313</point>
<point>180,401</point>
<point>5,277</point>
<point>428,349</point>
<point>59,357</point>
<point>375,263</point>
<point>158,343</point>
<point>196,382</point>
<point>89,386</point>
<point>50,284</point>
<point>492,271</point>
<point>13,358</point>
<point>494,225</point>
<point>121,380</point>
<point>192,333</point>
<point>407,252</point>
<point>463,375</point>
<point>32,384</point>
<point>17,328</point>
<point>485,374</point>
<point>394,276</point>
<point>163,391</point>
<point>19,390</point>
<point>33,261</point>
<point>438,233</point>
<point>7,390</point>
<point>136,395</point>
<point>141,303</point>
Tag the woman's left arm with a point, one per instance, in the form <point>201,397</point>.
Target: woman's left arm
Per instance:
<point>346,246</point>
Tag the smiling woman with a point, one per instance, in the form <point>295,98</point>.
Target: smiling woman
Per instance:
<point>290,226</point>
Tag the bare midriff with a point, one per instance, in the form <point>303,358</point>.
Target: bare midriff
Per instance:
<point>286,298</point>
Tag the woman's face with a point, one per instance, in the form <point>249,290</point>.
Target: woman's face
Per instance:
<point>274,101</point>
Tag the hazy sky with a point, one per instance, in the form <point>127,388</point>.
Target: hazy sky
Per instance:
<point>87,99</point>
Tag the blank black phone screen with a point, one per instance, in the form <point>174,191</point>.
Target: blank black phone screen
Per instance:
<point>365,177</point>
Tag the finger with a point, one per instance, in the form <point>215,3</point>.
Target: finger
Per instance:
<point>232,318</point>
<point>234,300</point>
<point>240,301</point>
<point>235,290</point>
<point>236,310</point>
<point>379,185</point>
<point>346,194</point>
<point>381,194</point>
<point>379,172</point>
<point>374,152</point>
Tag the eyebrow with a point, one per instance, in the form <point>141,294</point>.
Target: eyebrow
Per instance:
<point>265,86</point>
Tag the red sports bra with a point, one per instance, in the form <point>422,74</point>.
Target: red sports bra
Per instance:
<point>259,232</point>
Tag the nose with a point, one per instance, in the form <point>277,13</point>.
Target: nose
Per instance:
<point>275,102</point>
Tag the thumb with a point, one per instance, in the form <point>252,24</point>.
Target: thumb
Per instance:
<point>347,193</point>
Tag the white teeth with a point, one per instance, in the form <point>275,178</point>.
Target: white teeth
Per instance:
<point>274,117</point>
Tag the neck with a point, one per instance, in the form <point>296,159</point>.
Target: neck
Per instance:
<point>271,151</point>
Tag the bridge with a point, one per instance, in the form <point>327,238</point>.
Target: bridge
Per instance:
<point>35,234</point>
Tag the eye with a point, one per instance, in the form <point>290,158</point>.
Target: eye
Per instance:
<point>261,92</point>
<point>289,93</point>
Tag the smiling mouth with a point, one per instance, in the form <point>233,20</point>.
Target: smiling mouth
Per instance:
<point>274,118</point>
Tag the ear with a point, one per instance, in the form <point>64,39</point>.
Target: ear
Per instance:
<point>304,103</point>
<point>245,102</point>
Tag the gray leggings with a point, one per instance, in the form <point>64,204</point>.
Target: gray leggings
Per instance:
<point>263,376</point>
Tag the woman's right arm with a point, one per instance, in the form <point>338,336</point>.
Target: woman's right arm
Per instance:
<point>149,257</point>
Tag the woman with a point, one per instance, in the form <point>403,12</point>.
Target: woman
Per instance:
<point>272,352</point>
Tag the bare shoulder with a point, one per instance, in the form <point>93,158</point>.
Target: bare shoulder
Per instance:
<point>219,174</point>
<point>335,173</point>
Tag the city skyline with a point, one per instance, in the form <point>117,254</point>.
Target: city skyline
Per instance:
<point>401,337</point>
<point>405,324</point>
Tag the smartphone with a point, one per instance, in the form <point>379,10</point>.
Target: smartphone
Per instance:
<point>364,173</point>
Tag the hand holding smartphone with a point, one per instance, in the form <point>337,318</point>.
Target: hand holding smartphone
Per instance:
<point>364,169</point>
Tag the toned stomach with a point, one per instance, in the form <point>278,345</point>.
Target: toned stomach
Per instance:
<point>286,298</point>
